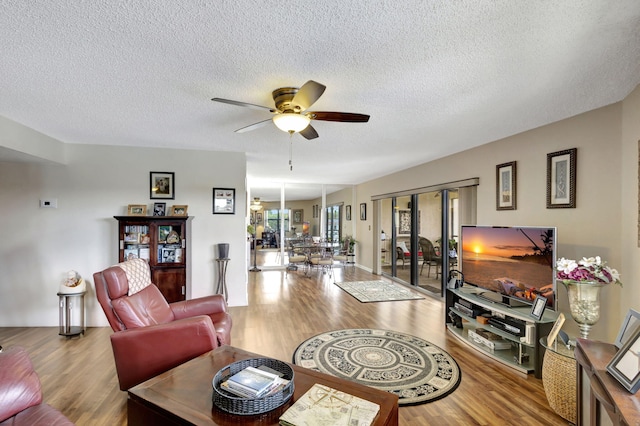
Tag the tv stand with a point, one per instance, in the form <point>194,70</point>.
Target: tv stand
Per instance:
<point>519,333</point>
<point>500,298</point>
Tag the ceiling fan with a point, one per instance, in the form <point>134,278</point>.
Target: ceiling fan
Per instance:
<point>290,113</point>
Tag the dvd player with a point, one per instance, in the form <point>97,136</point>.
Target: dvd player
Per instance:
<point>509,325</point>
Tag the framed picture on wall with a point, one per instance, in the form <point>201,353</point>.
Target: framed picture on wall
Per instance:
<point>161,185</point>
<point>298,216</point>
<point>404,222</point>
<point>224,201</point>
<point>506,186</point>
<point>561,179</point>
<point>258,218</point>
<point>348,212</point>
<point>363,211</point>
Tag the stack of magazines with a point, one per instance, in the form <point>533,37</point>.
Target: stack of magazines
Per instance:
<point>255,382</point>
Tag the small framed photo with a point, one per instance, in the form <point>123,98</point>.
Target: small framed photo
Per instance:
<point>224,201</point>
<point>298,215</point>
<point>363,211</point>
<point>314,211</point>
<point>537,310</point>
<point>161,185</point>
<point>137,209</point>
<point>551,338</point>
<point>168,255</point>
<point>180,210</point>
<point>348,212</point>
<point>163,232</point>
<point>506,186</point>
<point>561,179</point>
<point>630,325</point>
<point>259,218</point>
<point>159,209</point>
<point>625,365</point>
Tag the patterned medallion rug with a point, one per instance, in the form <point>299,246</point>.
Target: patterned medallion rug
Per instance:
<point>412,368</point>
<point>377,291</point>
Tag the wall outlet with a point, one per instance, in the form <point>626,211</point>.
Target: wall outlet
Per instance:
<point>49,203</point>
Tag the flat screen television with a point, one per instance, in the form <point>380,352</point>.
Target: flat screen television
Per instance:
<point>514,264</point>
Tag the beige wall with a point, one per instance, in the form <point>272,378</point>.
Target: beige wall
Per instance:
<point>607,160</point>
<point>628,213</point>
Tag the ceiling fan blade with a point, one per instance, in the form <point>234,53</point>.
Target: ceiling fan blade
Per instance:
<point>309,132</point>
<point>346,117</point>
<point>243,104</point>
<point>308,94</point>
<point>254,126</point>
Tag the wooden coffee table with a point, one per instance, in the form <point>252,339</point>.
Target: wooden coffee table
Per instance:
<point>183,395</point>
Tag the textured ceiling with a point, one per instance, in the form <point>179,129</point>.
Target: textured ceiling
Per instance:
<point>437,77</point>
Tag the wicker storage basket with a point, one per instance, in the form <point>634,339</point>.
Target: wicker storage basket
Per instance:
<point>249,406</point>
<point>559,381</point>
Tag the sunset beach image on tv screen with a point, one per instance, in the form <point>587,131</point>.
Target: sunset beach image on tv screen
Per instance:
<point>515,261</point>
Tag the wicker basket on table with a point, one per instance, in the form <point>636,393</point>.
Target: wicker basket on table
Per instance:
<point>234,404</point>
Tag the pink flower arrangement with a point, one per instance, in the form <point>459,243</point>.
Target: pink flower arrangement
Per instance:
<point>587,269</point>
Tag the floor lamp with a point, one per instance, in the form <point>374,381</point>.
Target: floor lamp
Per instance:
<point>255,250</point>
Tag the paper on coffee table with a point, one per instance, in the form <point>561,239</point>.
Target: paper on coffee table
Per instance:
<point>325,406</point>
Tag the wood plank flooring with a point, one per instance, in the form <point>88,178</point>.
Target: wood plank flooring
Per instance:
<point>79,379</point>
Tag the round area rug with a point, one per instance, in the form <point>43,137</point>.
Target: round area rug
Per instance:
<point>410,367</point>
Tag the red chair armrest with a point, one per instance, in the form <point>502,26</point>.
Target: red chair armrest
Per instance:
<point>19,383</point>
<point>143,353</point>
<point>201,306</point>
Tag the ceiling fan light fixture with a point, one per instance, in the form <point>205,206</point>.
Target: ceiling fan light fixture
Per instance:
<point>291,122</point>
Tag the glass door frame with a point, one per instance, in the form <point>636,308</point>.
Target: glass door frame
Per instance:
<point>445,234</point>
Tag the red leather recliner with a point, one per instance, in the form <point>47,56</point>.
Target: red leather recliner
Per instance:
<point>152,336</point>
<point>21,394</point>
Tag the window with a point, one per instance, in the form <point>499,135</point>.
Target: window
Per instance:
<point>273,220</point>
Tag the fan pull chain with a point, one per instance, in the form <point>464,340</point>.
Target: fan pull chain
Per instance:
<point>290,151</point>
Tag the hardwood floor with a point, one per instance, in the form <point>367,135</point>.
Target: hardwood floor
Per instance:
<point>79,379</point>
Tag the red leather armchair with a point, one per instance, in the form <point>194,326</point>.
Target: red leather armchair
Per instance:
<point>21,394</point>
<point>152,336</point>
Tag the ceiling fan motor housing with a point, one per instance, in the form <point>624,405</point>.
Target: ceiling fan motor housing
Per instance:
<point>283,97</point>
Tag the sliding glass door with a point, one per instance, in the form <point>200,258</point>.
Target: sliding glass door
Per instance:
<point>333,230</point>
<point>419,237</point>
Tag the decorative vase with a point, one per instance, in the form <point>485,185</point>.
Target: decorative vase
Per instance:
<point>223,251</point>
<point>584,302</point>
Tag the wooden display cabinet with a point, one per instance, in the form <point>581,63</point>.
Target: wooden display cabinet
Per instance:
<point>163,242</point>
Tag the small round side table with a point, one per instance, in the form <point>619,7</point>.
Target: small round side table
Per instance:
<point>222,277</point>
<point>559,378</point>
<point>66,302</point>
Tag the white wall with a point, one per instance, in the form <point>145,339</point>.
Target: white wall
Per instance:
<point>98,182</point>
<point>607,162</point>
